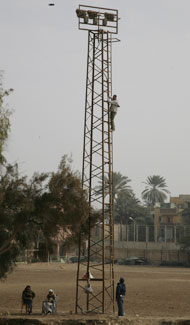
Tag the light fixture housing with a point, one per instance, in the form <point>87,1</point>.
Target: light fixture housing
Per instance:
<point>109,16</point>
<point>93,15</point>
<point>82,14</point>
<point>105,21</point>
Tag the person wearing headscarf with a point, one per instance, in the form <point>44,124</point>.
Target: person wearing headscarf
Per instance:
<point>48,306</point>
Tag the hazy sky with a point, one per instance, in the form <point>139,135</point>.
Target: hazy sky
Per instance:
<point>43,55</point>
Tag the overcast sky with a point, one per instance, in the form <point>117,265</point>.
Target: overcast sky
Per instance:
<point>43,55</point>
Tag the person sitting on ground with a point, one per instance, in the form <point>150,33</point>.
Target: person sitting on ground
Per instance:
<point>27,298</point>
<point>48,306</point>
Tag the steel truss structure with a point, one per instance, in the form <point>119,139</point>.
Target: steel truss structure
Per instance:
<point>95,274</point>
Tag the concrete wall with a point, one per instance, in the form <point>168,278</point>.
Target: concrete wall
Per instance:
<point>154,253</point>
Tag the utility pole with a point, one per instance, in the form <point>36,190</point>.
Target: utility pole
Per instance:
<point>95,273</point>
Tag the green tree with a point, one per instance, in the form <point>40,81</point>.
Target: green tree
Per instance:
<point>127,206</point>
<point>4,119</point>
<point>155,190</point>
<point>15,206</point>
<point>45,204</point>
<point>70,200</point>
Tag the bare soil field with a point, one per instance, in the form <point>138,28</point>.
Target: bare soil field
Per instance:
<point>151,291</point>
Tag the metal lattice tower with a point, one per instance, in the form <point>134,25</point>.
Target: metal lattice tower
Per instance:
<point>95,268</point>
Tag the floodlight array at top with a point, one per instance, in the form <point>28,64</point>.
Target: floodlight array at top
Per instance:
<point>97,18</point>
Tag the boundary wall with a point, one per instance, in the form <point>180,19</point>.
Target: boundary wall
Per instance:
<point>153,253</point>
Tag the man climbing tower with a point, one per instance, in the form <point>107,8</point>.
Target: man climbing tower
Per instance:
<point>113,110</point>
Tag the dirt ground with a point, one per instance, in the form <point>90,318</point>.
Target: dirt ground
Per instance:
<point>151,291</point>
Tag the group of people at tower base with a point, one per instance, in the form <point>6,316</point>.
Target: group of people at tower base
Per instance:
<point>48,305</point>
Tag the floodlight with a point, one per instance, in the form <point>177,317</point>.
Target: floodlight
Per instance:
<point>82,14</point>
<point>105,22</point>
<point>93,15</point>
<point>109,16</point>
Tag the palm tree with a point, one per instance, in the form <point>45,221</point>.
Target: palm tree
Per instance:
<point>155,190</point>
<point>120,183</point>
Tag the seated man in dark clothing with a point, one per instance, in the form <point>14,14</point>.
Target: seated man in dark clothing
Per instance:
<point>120,294</point>
<point>27,298</point>
<point>48,306</point>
